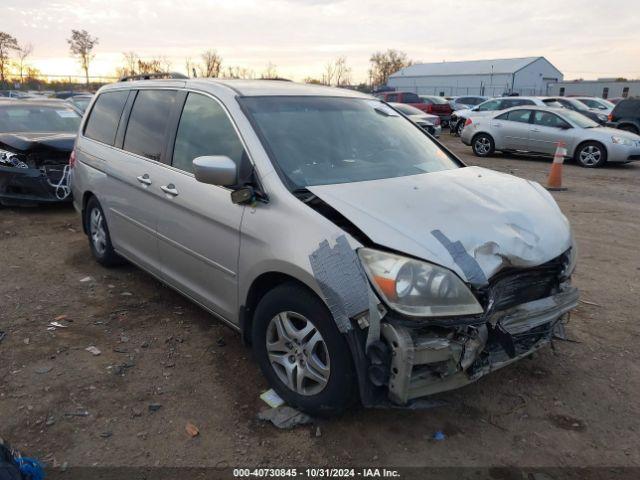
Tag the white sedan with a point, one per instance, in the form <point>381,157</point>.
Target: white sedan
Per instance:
<point>540,129</point>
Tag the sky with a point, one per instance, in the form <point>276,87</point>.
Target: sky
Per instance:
<point>583,38</point>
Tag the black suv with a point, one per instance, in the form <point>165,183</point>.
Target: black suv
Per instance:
<point>626,115</point>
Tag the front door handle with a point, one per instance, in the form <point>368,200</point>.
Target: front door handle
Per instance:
<point>535,129</point>
<point>144,179</point>
<point>169,189</point>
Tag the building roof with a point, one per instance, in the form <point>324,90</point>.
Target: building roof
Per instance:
<point>471,67</point>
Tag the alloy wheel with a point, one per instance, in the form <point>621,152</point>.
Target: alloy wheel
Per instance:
<point>298,353</point>
<point>97,231</point>
<point>483,145</point>
<point>590,155</point>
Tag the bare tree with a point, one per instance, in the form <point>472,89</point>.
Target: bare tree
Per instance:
<point>212,64</point>
<point>189,66</point>
<point>270,72</point>
<point>313,81</point>
<point>149,66</point>
<point>130,62</point>
<point>329,74</point>
<point>238,72</point>
<point>165,63</point>
<point>8,43</point>
<point>23,52</point>
<point>81,45</point>
<point>342,72</point>
<point>384,64</point>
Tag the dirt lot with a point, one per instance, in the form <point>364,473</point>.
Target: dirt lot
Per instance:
<point>575,405</point>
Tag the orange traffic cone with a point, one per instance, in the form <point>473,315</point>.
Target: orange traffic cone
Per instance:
<point>554,183</point>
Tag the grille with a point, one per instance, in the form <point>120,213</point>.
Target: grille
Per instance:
<point>522,286</point>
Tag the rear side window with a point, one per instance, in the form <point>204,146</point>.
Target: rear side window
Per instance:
<point>148,122</point>
<point>521,116</point>
<point>410,98</point>
<point>105,116</point>
<point>392,97</point>
<point>204,129</point>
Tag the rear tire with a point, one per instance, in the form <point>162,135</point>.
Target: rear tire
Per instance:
<point>590,155</point>
<point>301,352</point>
<point>98,234</point>
<point>483,145</point>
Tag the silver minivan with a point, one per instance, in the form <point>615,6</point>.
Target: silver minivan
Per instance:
<point>359,258</point>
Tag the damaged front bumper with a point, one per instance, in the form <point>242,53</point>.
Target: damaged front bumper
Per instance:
<point>428,360</point>
<point>30,186</point>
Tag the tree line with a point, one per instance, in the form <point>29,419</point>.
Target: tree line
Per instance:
<point>14,64</point>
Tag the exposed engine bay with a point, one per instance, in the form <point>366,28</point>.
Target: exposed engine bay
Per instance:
<point>34,168</point>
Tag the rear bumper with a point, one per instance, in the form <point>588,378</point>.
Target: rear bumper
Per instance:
<point>29,186</point>
<point>432,360</point>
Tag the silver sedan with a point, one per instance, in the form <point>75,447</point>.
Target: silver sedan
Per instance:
<point>540,129</point>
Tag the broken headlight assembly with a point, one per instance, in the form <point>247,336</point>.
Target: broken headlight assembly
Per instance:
<point>416,288</point>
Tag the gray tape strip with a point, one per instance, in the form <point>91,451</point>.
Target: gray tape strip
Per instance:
<point>461,257</point>
<point>342,280</point>
<point>374,319</point>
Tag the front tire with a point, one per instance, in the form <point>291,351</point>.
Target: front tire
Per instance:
<point>591,155</point>
<point>301,352</point>
<point>483,145</point>
<point>98,233</point>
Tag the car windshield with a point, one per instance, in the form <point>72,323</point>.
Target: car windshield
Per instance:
<point>591,103</point>
<point>579,119</point>
<point>407,109</point>
<point>38,118</point>
<point>328,140</point>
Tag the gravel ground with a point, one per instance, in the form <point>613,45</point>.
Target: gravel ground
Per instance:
<point>164,362</point>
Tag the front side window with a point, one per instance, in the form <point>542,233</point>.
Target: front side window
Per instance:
<point>546,119</point>
<point>31,118</point>
<point>489,106</point>
<point>103,121</point>
<point>204,129</point>
<point>328,140</point>
<point>148,122</point>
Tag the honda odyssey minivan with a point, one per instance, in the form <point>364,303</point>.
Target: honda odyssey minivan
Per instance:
<point>360,259</point>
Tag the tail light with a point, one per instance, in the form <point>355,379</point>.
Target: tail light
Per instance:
<point>429,108</point>
<point>72,158</point>
<point>468,122</point>
<point>610,117</point>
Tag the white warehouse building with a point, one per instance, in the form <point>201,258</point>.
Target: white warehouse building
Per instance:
<point>603,87</point>
<point>525,76</point>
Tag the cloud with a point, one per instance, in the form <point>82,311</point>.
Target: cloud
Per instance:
<point>301,36</point>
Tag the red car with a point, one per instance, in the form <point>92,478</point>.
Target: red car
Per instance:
<point>428,104</point>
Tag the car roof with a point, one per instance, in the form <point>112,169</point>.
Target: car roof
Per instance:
<point>246,88</point>
<point>35,102</point>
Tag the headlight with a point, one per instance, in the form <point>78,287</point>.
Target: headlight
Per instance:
<point>602,117</point>
<point>621,141</point>
<point>417,288</point>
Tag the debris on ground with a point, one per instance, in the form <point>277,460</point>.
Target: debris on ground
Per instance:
<point>439,436</point>
<point>271,398</point>
<point>221,342</point>
<point>285,417</point>
<point>154,407</point>
<point>106,434</point>
<point>54,325</point>
<point>80,413</point>
<point>318,431</point>
<point>85,279</point>
<point>43,369</point>
<point>93,350</point>
<point>2,335</point>
<point>59,318</point>
<point>191,430</point>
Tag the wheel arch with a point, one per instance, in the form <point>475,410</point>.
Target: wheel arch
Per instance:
<point>86,196</point>
<point>260,286</point>
<point>591,140</point>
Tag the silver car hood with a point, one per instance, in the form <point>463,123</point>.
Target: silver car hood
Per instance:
<point>605,133</point>
<point>471,220</point>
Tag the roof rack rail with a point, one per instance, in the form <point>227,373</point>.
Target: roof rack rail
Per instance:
<point>154,76</point>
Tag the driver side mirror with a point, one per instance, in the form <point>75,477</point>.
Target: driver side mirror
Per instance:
<point>215,170</point>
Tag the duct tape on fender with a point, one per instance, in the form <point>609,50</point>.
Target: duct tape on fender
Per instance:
<point>342,281</point>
